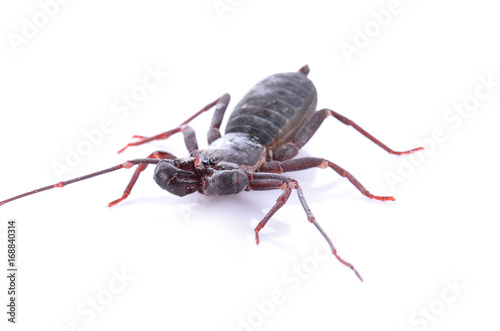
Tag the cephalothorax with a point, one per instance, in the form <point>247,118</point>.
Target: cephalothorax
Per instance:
<point>263,135</point>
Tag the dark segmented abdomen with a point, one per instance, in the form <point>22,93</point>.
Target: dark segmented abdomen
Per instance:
<point>274,108</point>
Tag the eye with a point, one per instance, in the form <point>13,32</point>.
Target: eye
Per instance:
<point>211,161</point>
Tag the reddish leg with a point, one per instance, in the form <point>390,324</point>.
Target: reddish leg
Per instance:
<point>307,130</point>
<point>124,165</point>
<point>262,181</point>
<point>164,135</point>
<point>140,168</point>
<point>311,162</point>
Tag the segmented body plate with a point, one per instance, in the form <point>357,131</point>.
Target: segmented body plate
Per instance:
<point>275,108</point>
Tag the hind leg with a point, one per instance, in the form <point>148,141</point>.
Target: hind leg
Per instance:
<point>308,129</point>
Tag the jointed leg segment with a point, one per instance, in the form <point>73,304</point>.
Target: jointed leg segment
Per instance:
<point>220,104</point>
<point>309,128</point>
<point>160,155</point>
<point>282,157</point>
<point>311,162</point>
<point>124,165</point>
<point>267,181</point>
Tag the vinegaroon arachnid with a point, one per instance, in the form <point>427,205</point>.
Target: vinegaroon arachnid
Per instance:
<point>264,133</point>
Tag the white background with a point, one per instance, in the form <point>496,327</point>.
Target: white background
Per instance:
<point>192,262</point>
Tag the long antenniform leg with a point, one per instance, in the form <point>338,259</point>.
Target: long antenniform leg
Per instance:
<point>220,107</point>
<point>263,181</point>
<point>125,165</point>
<point>311,162</point>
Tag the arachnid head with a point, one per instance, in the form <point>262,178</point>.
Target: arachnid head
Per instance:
<point>209,177</point>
